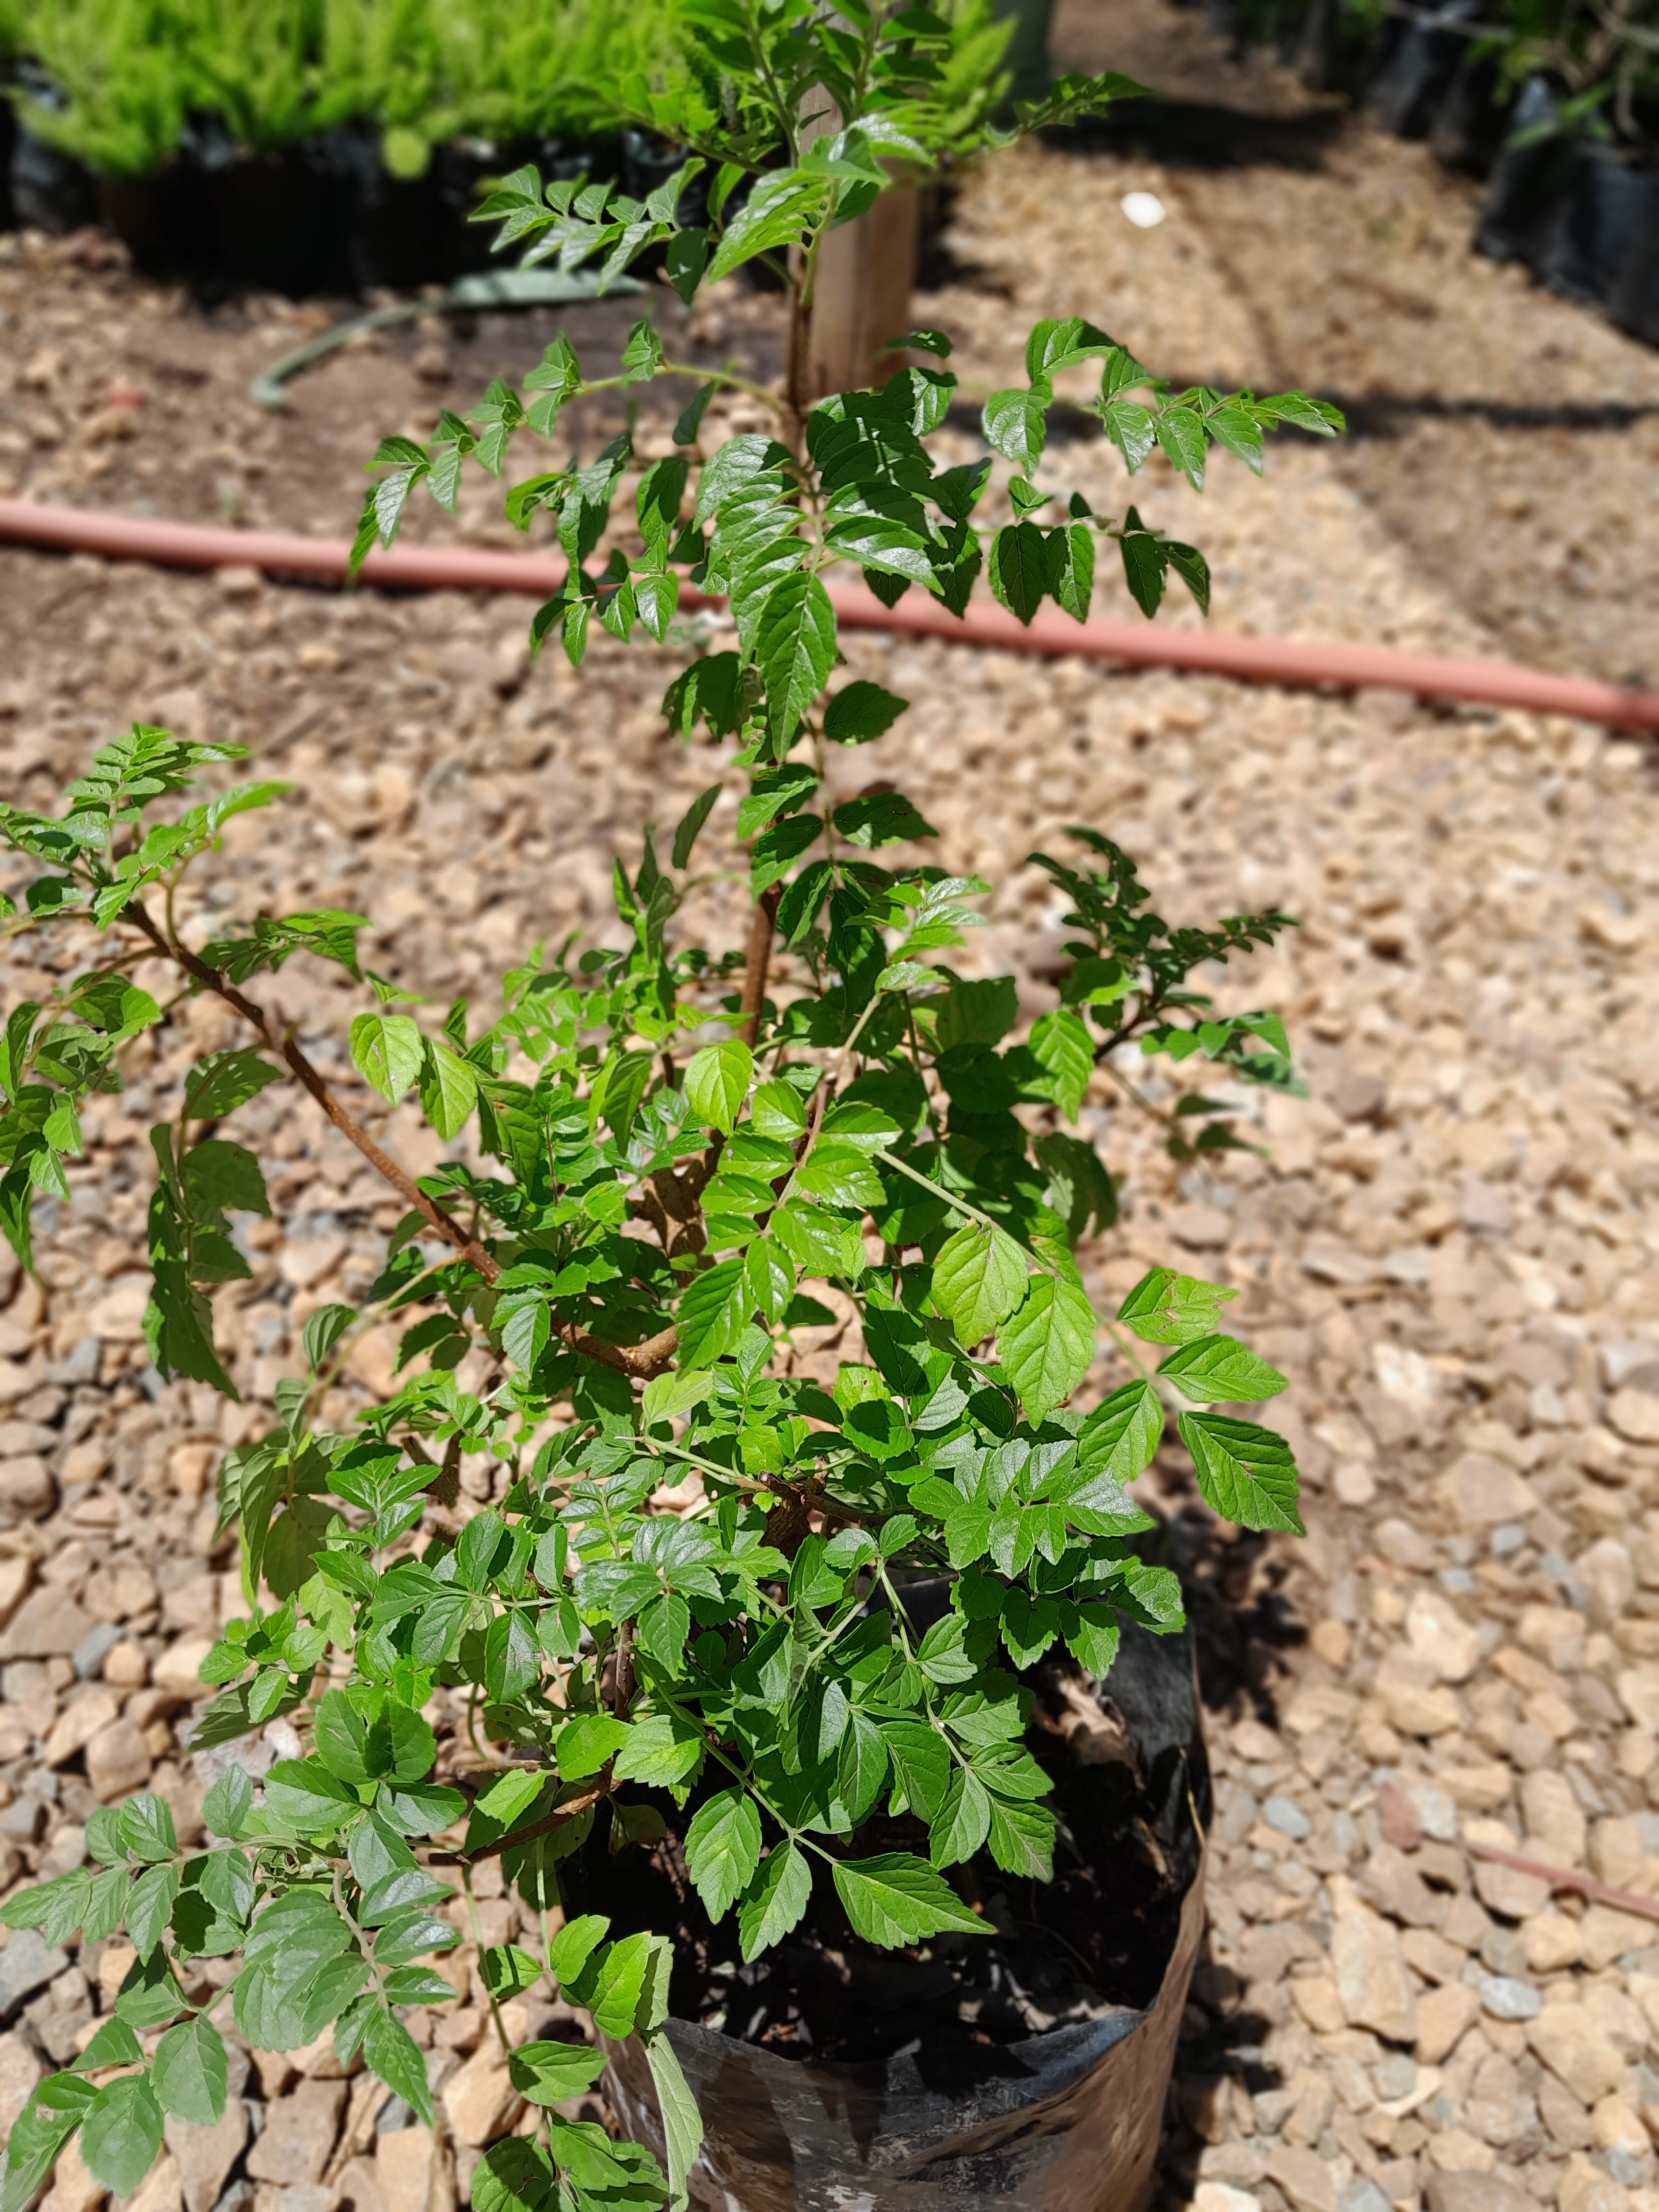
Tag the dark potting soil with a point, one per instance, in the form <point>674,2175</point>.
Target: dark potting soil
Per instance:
<point>1097,1938</point>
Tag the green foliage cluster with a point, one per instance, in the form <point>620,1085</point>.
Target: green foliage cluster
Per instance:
<point>129,73</point>
<point>663,1162</point>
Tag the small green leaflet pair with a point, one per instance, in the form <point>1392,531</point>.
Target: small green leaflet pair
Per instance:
<point>893,1899</point>
<point>1246,1472</point>
<point>623,1983</point>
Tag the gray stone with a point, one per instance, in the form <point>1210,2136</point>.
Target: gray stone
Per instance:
<point>1363,2196</point>
<point>27,1965</point>
<point>94,1649</point>
<point>1394,2075</point>
<point>1504,1951</point>
<point>22,1821</point>
<point>20,2075</point>
<point>1506,1998</point>
<point>80,1365</point>
<point>1288,1818</point>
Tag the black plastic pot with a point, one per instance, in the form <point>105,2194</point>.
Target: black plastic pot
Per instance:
<point>50,190</point>
<point>1528,180</point>
<point>1471,121</point>
<point>389,224</point>
<point>164,219</point>
<point>1332,49</point>
<point>1068,2121</point>
<point>1583,251</point>
<point>7,135</point>
<point>1634,303</point>
<point>277,222</point>
<point>1416,66</point>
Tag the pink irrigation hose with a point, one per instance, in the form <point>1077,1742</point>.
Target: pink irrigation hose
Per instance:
<point>1149,645</point>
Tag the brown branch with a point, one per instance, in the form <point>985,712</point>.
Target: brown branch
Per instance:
<point>286,1049</point>
<point>757,961</point>
<point>600,1788</point>
<point>645,1359</point>
<point>1623,1900</point>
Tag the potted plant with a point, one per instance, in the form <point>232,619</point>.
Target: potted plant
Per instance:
<point>750,1652</point>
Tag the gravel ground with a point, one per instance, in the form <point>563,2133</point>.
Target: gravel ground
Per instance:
<point>1451,1247</point>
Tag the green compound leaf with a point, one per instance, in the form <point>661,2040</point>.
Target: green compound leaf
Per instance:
<point>121,2133</point>
<point>388,1051</point>
<point>449,1089</point>
<point>778,1896</point>
<point>1062,1042</point>
<point>964,1821</point>
<point>722,1850</point>
<point>898,1899</point>
<point>979,1279</point>
<point>1022,1839</point>
<point>583,1745</point>
<point>1181,434</point>
<point>1049,1346</point>
<point>512,1657</point>
<point>1166,1308</point>
<point>191,2072</point>
<point>550,2073</point>
<point>860,711</point>
<point>1246,1474</point>
<point>717,1081</point>
<point>1014,425</point>
<point>1220,1368</point>
<point>714,1312</point>
<point>147,1828</point>
<point>514,2176</point>
<point>303,1795</point>
<point>1019,568</point>
<point>38,2134</point>
<point>391,2052</point>
<point>796,648</point>
<point>682,2123</point>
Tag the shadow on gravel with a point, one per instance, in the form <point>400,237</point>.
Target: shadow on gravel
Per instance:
<point>1219,2046</point>
<point>1196,134</point>
<point>1389,415</point>
<point>1243,1623</point>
